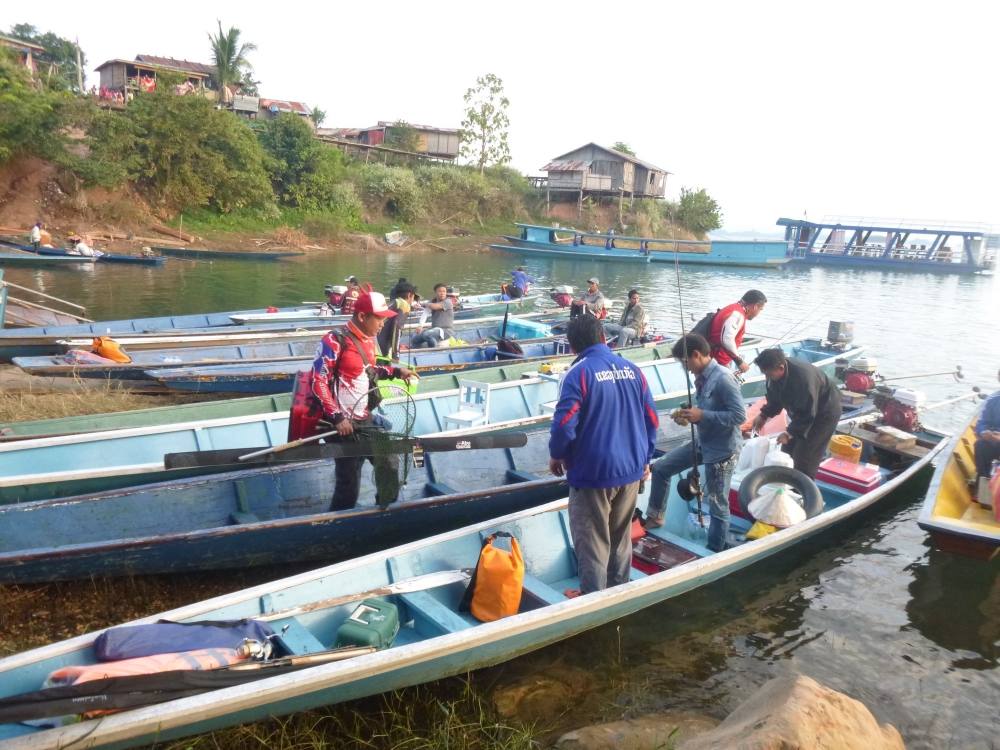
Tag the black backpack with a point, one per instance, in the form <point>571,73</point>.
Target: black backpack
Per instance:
<point>704,326</point>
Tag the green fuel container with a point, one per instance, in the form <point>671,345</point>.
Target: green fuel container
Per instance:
<point>374,622</point>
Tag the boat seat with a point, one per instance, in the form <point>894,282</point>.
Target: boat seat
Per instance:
<point>440,488</point>
<point>541,590</point>
<point>238,517</point>
<point>473,405</point>
<point>296,639</point>
<point>548,407</point>
<point>513,475</point>
<point>426,609</point>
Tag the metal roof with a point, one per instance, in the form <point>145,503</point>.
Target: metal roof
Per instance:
<point>14,41</point>
<point>170,62</point>
<point>285,106</point>
<point>386,124</point>
<point>567,166</point>
<point>626,157</point>
<point>156,66</point>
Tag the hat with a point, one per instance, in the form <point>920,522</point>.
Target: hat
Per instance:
<point>351,280</point>
<point>373,302</point>
<point>451,291</point>
<point>593,280</point>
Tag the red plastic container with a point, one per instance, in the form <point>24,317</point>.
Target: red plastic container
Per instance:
<point>857,477</point>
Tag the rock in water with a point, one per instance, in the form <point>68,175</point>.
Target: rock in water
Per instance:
<point>796,712</point>
<point>652,732</point>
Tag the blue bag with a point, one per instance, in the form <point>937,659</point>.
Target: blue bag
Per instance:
<point>166,637</point>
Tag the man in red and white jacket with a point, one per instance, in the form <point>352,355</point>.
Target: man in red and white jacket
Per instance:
<point>336,390</point>
<point>729,325</point>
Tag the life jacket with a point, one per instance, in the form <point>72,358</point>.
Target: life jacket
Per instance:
<point>495,589</point>
<point>107,347</point>
<point>349,299</point>
<point>715,334</point>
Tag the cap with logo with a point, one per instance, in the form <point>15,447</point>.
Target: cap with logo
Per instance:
<point>374,303</point>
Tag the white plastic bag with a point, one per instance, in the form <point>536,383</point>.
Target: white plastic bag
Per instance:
<point>778,505</point>
<point>753,453</point>
<point>777,457</point>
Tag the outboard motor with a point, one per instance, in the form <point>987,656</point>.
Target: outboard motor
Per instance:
<point>859,375</point>
<point>562,295</point>
<point>839,334</point>
<point>899,407</point>
<point>335,294</point>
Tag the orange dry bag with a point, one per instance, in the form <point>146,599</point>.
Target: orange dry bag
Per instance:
<point>495,589</point>
<point>108,348</point>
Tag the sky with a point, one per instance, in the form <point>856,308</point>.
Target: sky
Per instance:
<point>875,109</point>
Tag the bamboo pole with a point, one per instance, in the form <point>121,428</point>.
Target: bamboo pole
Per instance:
<point>42,294</point>
<point>36,306</point>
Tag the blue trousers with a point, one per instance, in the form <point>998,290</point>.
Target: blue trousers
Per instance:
<point>715,487</point>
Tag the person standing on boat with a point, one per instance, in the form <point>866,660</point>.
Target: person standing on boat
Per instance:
<point>442,328</point>
<point>987,446</point>
<point>591,301</point>
<point>812,402</point>
<point>602,438</point>
<point>404,295</point>
<point>36,236</point>
<point>350,296</point>
<point>717,415</point>
<point>632,324</point>
<point>729,325</point>
<point>335,390</point>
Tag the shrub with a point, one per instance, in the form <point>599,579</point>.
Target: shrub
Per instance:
<point>392,190</point>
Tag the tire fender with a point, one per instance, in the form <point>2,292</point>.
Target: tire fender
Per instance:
<point>812,498</point>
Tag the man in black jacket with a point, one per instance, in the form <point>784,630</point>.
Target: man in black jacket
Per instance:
<point>812,402</point>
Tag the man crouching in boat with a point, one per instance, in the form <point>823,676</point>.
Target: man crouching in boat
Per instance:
<point>338,390</point>
<point>718,416</point>
<point>987,447</point>
<point>602,396</point>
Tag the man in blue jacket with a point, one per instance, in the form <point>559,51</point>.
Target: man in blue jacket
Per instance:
<point>718,415</point>
<point>603,436</point>
<point>987,448</point>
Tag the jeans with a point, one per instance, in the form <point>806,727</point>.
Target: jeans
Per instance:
<point>625,334</point>
<point>600,522</point>
<point>986,453</point>
<point>715,488</point>
<point>430,338</point>
<point>348,474</point>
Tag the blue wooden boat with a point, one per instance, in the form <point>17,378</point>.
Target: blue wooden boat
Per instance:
<point>38,261</point>
<point>279,376</point>
<point>42,468</point>
<point>259,516</point>
<point>572,243</point>
<point>435,639</point>
<point>197,253</point>
<point>887,245</point>
<point>284,349</point>
<point>55,252</point>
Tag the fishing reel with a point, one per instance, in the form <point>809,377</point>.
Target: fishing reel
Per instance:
<point>255,650</point>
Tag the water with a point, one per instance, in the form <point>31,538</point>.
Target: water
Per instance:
<point>872,610</point>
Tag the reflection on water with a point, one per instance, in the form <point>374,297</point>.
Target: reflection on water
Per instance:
<point>870,610</point>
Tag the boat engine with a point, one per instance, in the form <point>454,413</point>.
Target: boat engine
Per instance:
<point>859,375</point>
<point>899,407</point>
<point>562,295</point>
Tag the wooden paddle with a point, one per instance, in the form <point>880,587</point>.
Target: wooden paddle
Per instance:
<point>235,456</point>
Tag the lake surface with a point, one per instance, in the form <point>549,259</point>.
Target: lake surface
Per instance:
<point>872,611</point>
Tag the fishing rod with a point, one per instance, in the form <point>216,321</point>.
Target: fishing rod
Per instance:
<point>956,373</point>
<point>694,478</point>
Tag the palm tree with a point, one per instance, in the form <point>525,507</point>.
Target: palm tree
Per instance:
<point>230,57</point>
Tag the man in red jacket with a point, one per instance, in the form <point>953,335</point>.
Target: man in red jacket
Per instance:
<point>339,383</point>
<point>729,325</point>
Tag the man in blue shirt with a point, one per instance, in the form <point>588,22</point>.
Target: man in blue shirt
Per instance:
<point>522,282</point>
<point>988,435</point>
<point>718,415</point>
<point>603,436</point>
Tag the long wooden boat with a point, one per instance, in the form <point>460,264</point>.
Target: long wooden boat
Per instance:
<point>38,261</point>
<point>279,376</point>
<point>43,468</point>
<point>468,307</point>
<point>259,516</point>
<point>277,347</point>
<point>563,242</point>
<point>435,639</point>
<point>56,252</point>
<point>950,514</point>
<point>198,253</point>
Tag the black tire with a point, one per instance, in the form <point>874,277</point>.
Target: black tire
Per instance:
<point>812,498</point>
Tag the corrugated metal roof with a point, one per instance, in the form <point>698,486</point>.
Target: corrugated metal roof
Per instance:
<point>170,62</point>
<point>285,106</point>
<point>624,156</point>
<point>148,63</point>
<point>388,124</point>
<point>566,166</point>
<point>14,41</point>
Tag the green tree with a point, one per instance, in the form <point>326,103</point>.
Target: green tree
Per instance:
<point>318,115</point>
<point>624,148</point>
<point>697,211</point>
<point>289,142</point>
<point>57,66</point>
<point>230,55</point>
<point>484,129</point>
<point>182,152</point>
<point>403,136</point>
<point>32,119</point>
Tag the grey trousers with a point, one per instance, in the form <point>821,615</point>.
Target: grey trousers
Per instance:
<point>600,522</point>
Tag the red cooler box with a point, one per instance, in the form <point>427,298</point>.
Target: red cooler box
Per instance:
<point>857,477</point>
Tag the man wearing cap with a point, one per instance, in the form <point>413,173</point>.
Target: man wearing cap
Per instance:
<point>728,326</point>
<point>338,388</point>
<point>591,301</point>
<point>350,296</point>
<point>442,328</point>
<point>717,416</point>
<point>404,294</point>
